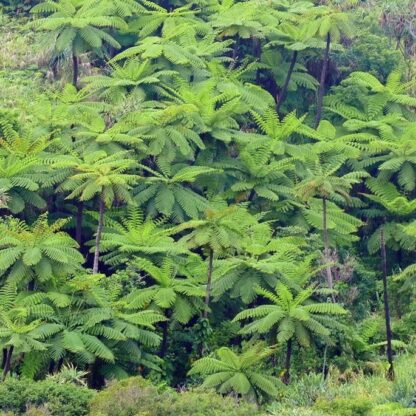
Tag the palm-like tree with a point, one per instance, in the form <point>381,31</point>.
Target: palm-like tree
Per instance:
<point>386,194</point>
<point>290,317</point>
<point>39,253</point>
<point>221,230</point>
<point>23,326</point>
<point>78,27</point>
<point>96,323</point>
<point>96,136</point>
<point>263,261</point>
<point>400,162</point>
<point>104,177</point>
<point>322,179</point>
<point>296,38</point>
<point>133,78</point>
<point>259,176</point>
<point>20,178</point>
<point>180,45</point>
<point>169,192</point>
<point>276,134</point>
<point>329,24</point>
<point>238,373</point>
<point>394,90</point>
<point>173,290</point>
<point>135,236</point>
<point>23,169</point>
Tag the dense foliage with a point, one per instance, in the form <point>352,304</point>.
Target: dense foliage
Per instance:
<point>207,193</point>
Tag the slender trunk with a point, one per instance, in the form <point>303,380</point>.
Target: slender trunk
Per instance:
<point>78,226</point>
<point>321,91</point>
<point>7,365</point>
<point>326,246</point>
<point>209,282</point>
<point>389,335</point>
<point>31,285</point>
<point>51,367</point>
<point>75,70</point>
<point>96,379</point>
<point>98,236</point>
<point>286,375</point>
<point>282,95</point>
<point>256,46</point>
<point>324,363</point>
<point>165,334</point>
<point>164,344</point>
<point>59,365</point>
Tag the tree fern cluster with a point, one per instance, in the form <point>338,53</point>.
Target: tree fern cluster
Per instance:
<point>194,180</point>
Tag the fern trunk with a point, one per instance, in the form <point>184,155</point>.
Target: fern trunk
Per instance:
<point>325,235</point>
<point>165,335</point>
<point>285,87</point>
<point>288,359</point>
<point>75,70</point>
<point>209,282</point>
<point>389,335</point>
<point>8,363</point>
<point>78,227</point>
<point>321,90</point>
<point>98,236</point>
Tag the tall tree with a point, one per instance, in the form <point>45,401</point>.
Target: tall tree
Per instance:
<point>37,254</point>
<point>238,373</point>
<point>174,291</point>
<point>220,231</point>
<point>323,179</point>
<point>79,27</point>
<point>290,316</point>
<point>330,24</point>
<point>104,177</point>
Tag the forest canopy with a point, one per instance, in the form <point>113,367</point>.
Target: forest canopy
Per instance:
<point>208,206</point>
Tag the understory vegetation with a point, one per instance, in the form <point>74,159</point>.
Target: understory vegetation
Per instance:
<point>207,207</point>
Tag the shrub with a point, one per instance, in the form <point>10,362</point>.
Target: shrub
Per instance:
<point>404,386</point>
<point>17,395</point>
<point>125,398</point>
<point>202,404</point>
<point>279,409</point>
<point>304,391</point>
<point>356,406</point>
<point>392,409</point>
<point>137,397</point>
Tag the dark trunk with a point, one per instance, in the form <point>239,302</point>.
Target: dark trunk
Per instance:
<point>51,367</point>
<point>389,335</point>
<point>325,236</point>
<point>324,365</point>
<point>209,282</point>
<point>283,92</point>
<point>321,91</point>
<point>75,70</point>
<point>164,344</point>
<point>98,236</point>
<point>256,45</point>
<point>95,378</point>
<point>7,365</point>
<point>78,226</point>
<point>59,365</point>
<point>165,334</point>
<point>286,375</point>
<point>251,195</point>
